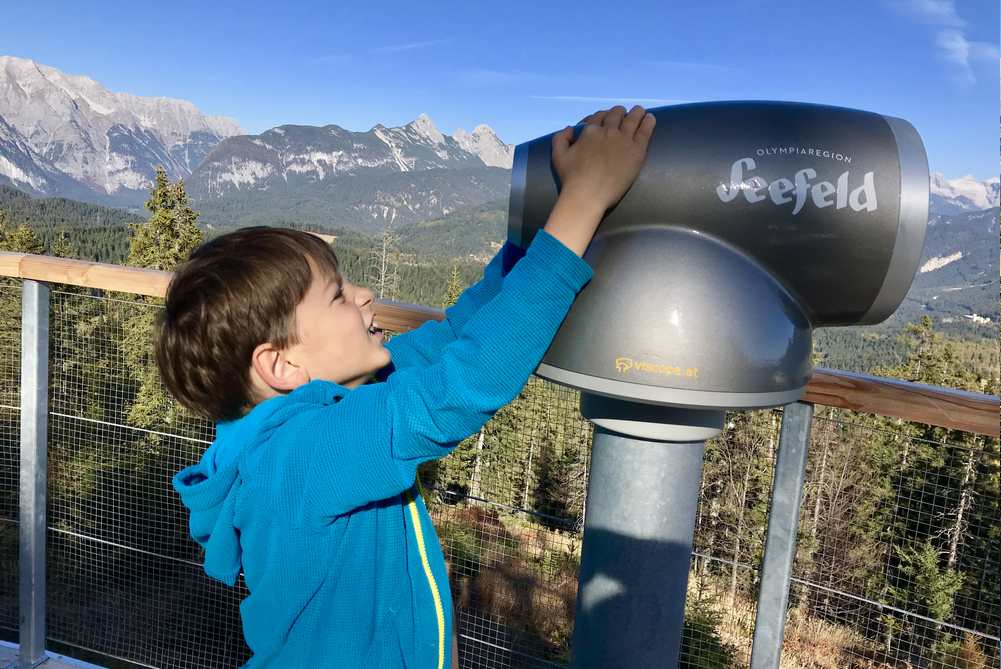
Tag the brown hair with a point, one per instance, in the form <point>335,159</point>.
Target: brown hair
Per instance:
<point>235,292</point>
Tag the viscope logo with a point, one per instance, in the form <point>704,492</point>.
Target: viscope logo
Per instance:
<point>784,191</point>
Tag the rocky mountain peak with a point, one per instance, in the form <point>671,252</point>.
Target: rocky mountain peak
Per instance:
<point>426,127</point>
<point>484,143</point>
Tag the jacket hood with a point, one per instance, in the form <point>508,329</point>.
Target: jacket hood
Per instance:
<point>210,488</point>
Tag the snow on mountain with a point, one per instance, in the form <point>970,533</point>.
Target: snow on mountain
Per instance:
<point>18,163</point>
<point>362,180</point>
<point>25,170</point>
<point>939,262</point>
<point>66,134</point>
<point>485,144</point>
<point>294,155</point>
<point>963,194</point>
<point>958,273</point>
<point>109,142</point>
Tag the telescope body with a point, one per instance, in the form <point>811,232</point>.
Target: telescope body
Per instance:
<point>750,224</point>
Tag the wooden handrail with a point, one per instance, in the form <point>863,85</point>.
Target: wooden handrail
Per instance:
<point>86,274</point>
<point>931,405</point>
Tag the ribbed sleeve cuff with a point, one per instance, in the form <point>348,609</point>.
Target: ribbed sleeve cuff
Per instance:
<point>560,260</point>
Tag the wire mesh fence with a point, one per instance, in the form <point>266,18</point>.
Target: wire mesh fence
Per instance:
<point>125,579</point>
<point>897,560</point>
<point>10,436</point>
<point>900,545</point>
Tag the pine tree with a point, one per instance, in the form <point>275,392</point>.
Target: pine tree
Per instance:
<point>454,288</point>
<point>167,238</point>
<point>163,242</point>
<point>18,240</point>
<point>61,246</point>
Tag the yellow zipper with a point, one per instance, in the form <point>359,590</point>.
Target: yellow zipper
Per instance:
<point>438,611</point>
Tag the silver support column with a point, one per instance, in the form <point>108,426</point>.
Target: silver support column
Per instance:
<point>780,545</point>
<point>642,498</point>
<point>34,464</point>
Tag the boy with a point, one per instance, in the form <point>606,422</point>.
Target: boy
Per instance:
<point>308,487</point>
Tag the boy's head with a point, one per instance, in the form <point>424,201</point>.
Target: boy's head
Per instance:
<point>258,312</point>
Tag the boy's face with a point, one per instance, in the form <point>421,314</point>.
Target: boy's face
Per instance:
<point>334,339</point>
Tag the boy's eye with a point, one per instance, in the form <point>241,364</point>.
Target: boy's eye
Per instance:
<point>337,295</point>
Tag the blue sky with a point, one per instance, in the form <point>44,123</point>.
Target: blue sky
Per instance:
<point>528,68</point>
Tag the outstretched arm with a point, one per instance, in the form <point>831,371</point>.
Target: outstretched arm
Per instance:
<point>367,446</point>
<point>423,345</point>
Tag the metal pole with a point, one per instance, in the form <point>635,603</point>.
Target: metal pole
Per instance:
<point>642,498</point>
<point>780,546</point>
<point>34,464</point>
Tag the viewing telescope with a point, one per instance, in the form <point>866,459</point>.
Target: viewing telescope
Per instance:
<point>750,224</point>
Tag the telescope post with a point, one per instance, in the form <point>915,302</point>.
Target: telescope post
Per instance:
<point>642,498</point>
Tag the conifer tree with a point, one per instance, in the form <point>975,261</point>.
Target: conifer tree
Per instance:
<point>454,288</point>
<point>17,240</point>
<point>167,238</point>
<point>21,239</point>
<point>163,242</point>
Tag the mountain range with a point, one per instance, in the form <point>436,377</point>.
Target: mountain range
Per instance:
<point>962,194</point>
<point>366,181</point>
<point>66,135</point>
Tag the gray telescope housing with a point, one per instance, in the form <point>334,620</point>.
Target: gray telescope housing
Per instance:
<point>750,224</point>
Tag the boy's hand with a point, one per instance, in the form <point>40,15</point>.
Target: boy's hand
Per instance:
<point>596,170</point>
<point>607,155</point>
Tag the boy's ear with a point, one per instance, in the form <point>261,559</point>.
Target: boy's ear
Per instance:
<point>274,368</point>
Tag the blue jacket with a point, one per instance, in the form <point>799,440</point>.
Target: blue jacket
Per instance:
<point>311,494</point>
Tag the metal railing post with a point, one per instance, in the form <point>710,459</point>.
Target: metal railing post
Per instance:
<point>780,546</point>
<point>34,469</point>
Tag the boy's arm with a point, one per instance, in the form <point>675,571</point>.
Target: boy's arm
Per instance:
<point>424,344</point>
<point>370,450</point>
<point>371,442</point>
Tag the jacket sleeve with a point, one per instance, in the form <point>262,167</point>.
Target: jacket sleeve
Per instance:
<point>423,345</point>
<point>371,442</point>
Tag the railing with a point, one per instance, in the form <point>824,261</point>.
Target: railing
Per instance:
<point>511,543</point>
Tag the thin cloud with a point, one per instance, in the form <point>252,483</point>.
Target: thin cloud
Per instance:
<point>487,77</point>
<point>330,58</point>
<point>389,48</point>
<point>690,66</point>
<point>589,98</point>
<point>935,12</point>
<point>410,46</point>
<point>951,40</point>
<point>960,51</point>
